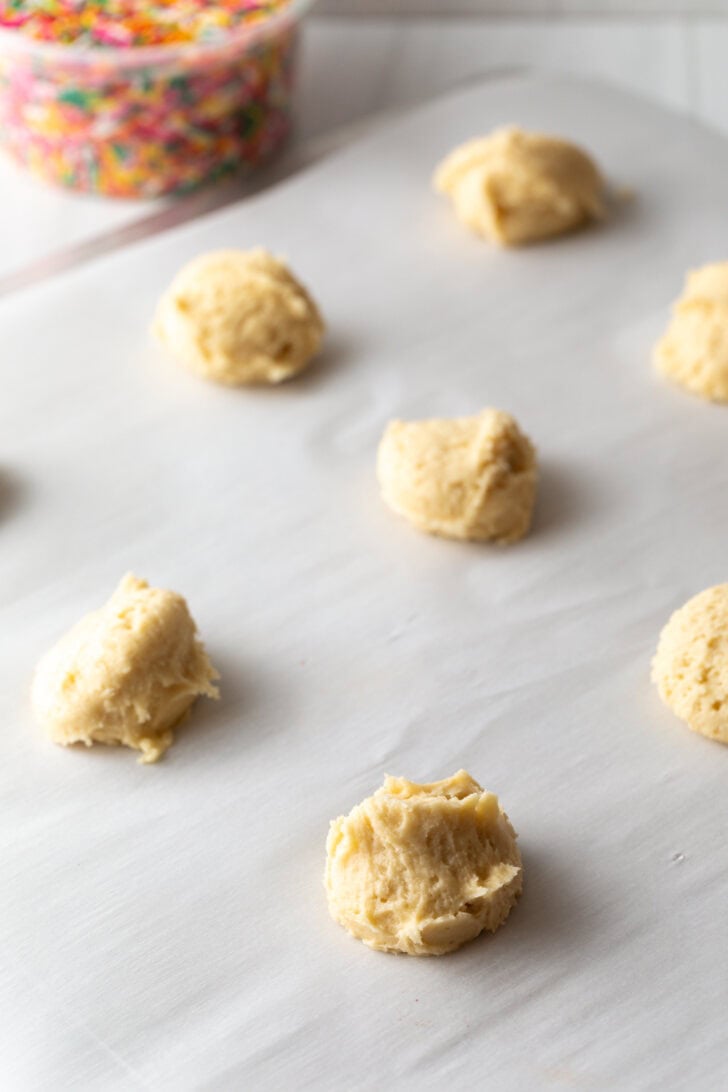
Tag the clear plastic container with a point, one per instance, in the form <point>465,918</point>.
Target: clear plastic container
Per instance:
<point>142,122</point>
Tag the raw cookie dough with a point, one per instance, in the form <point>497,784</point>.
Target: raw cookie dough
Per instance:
<point>239,317</point>
<point>126,673</point>
<point>694,348</point>
<point>515,187</point>
<point>466,477</point>
<point>690,667</point>
<point>423,868</point>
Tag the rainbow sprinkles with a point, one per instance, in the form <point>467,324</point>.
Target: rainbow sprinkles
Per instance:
<point>128,24</point>
<point>142,99</point>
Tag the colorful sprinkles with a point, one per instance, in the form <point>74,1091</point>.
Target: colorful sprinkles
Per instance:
<point>97,118</point>
<point>128,24</point>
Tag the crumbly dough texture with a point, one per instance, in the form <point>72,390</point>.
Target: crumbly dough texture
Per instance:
<point>694,349</point>
<point>422,869</point>
<point>239,317</point>
<point>464,478</point>
<point>690,667</point>
<point>125,674</point>
<point>515,187</point>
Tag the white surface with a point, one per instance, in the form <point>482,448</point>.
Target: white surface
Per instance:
<point>355,68</point>
<point>165,927</point>
<point>38,219</point>
<point>455,8</point>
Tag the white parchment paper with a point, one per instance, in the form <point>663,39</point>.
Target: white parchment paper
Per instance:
<point>166,927</point>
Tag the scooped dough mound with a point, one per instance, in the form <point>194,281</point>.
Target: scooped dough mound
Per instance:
<point>423,868</point>
<point>239,317</point>
<point>690,667</point>
<point>125,674</point>
<point>694,348</point>
<point>465,478</point>
<point>515,187</point>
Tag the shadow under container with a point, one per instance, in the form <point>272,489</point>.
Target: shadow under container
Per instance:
<point>142,122</point>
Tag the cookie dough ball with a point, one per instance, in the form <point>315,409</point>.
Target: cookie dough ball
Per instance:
<point>515,187</point>
<point>690,667</point>
<point>423,868</point>
<point>239,317</point>
<point>125,674</point>
<point>466,478</point>
<point>694,348</point>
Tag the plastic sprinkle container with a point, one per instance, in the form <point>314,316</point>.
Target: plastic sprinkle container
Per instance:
<point>131,98</point>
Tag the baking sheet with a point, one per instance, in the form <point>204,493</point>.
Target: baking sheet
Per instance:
<point>165,927</point>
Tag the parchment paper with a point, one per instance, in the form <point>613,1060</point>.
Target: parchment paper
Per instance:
<point>166,927</point>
